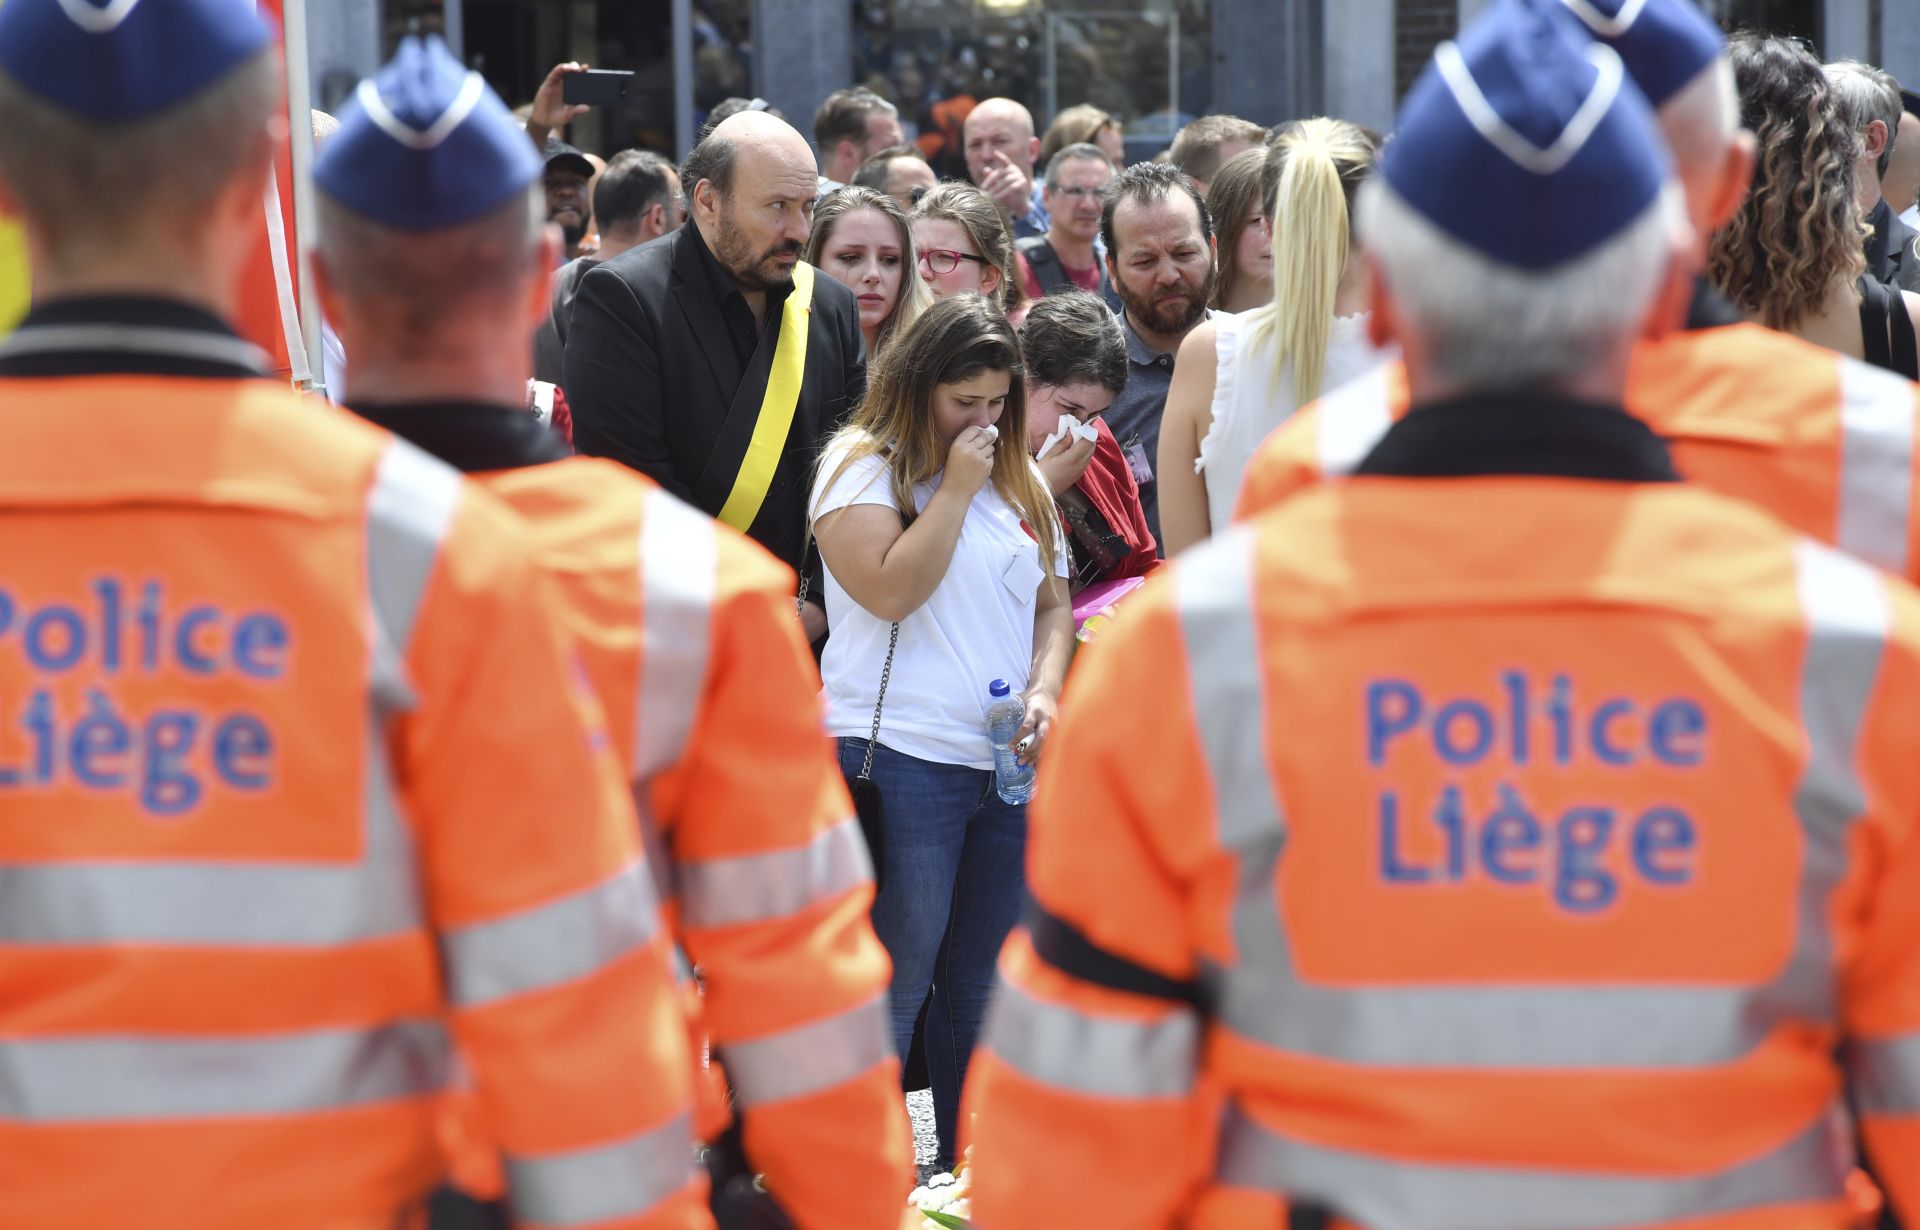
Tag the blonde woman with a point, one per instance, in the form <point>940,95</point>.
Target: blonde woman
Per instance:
<point>1085,124</point>
<point>962,242</point>
<point>1238,204</point>
<point>861,240</point>
<point>1792,259</point>
<point>1239,377</point>
<point>945,571</point>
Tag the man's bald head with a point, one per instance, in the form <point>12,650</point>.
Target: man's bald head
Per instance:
<point>996,110</point>
<point>750,187</point>
<point>999,127</point>
<point>753,134</point>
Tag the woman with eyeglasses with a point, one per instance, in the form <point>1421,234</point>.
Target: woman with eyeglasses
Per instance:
<point>861,240</point>
<point>964,245</point>
<point>945,572</point>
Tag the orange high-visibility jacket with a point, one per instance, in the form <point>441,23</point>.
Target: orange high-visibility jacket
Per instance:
<point>1518,853</point>
<point>299,787</point>
<point>1824,442</point>
<point>689,636</point>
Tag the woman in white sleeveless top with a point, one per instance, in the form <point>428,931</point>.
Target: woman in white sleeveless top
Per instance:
<point>1239,377</point>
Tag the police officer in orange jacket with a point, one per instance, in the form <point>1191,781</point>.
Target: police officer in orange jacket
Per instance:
<point>1825,442</point>
<point>1532,840</point>
<point>433,262</point>
<point>297,789</point>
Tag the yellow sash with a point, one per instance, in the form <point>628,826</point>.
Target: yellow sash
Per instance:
<point>14,283</point>
<point>776,408</point>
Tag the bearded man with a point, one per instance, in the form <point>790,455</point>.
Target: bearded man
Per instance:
<point>1160,256</point>
<point>712,359</point>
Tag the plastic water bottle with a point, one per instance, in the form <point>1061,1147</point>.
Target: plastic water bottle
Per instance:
<point>1005,712</point>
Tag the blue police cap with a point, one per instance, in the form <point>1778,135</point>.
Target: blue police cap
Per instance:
<point>425,145</point>
<point>1524,141</point>
<point>1665,44</point>
<point>126,60</point>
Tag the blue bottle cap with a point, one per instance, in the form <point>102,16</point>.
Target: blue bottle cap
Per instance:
<point>998,688</point>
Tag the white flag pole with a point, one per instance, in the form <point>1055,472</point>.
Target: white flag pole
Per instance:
<point>300,119</point>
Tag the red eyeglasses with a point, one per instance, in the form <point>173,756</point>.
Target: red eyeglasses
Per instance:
<point>946,260</point>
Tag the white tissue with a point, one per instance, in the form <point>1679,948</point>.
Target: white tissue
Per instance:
<point>1069,426</point>
<point>993,433</point>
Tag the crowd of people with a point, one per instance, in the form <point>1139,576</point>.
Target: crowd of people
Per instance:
<point>454,804</point>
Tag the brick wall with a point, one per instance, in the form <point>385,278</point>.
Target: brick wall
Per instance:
<point>1419,27</point>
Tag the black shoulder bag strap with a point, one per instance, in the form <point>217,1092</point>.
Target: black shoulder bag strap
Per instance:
<point>1906,352</point>
<point>1874,318</point>
<point>865,791</point>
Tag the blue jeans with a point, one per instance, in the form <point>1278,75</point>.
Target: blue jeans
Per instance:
<point>953,875</point>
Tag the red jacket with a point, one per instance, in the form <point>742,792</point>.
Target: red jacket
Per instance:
<point>1108,485</point>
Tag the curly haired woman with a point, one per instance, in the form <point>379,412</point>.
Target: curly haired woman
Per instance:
<point>1792,259</point>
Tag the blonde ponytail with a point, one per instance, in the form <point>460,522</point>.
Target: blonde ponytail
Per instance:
<point>1322,162</point>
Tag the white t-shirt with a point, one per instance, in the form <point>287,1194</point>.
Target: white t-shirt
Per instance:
<point>977,626</point>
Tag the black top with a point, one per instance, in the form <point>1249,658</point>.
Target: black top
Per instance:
<point>1522,433</point>
<point>1891,255</point>
<point>1710,309</point>
<point>1886,329</point>
<point>472,437</point>
<point>121,335</point>
<point>550,339</point>
<point>742,329</point>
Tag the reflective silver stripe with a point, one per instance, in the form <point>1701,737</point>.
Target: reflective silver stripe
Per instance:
<point>1352,419</point>
<point>1847,612</point>
<point>1099,1056</point>
<point>554,943</point>
<point>135,339</point>
<point>1886,1074</point>
<point>812,1057</point>
<point>266,903</point>
<point>1410,1195</point>
<point>1548,1026</point>
<point>776,884</point>
<point>622,1179</point>
<point>1213,594</point>
<point>1876,466</point>
<point>229,904</point>
<point>679,558</point>
<point>123,1079</point>
<point>409,510</point>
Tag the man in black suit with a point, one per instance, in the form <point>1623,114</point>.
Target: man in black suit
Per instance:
<point>680,349</point>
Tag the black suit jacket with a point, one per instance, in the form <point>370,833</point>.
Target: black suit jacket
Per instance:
<point>1891,255</point>
<point>655,382</point>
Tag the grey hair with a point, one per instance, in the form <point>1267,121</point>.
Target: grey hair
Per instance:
<point>1863,94</point>
<point>1489,326</point>
<point>419,282</point>
<point>81,179</point>
<point>1082,152</point>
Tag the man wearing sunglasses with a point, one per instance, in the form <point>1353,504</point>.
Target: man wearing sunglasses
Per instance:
<point>1064,258</point>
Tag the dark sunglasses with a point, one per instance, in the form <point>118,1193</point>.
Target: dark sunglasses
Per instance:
<point>946,260</point>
